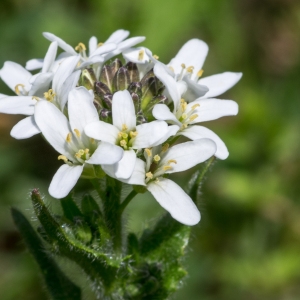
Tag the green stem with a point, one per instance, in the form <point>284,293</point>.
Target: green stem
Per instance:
<point>130,196</point>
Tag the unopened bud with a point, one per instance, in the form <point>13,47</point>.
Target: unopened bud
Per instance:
<point>115,66</point>
<point>107,100</point>
<point>88,78</point>
<point>101,89</point>
<point>106,76</point>
<point>133,72</point>
<point>121,80</point>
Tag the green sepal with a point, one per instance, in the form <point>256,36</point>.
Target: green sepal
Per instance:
<point>140,189</point>
<point>58,285</point>
<point>70,209</point>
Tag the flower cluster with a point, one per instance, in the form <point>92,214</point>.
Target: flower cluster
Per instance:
<point>117,110</point>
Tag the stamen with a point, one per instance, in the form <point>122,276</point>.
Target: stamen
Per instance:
<point>17,88</point>
<point>77,132</point>
<point>133,134</point>
<point>92,140</point>
<point>183,66</point>
<point>184,116</point>
<point>190,69</point>
<point>171,68</point>
<point>165,147</point>
<point>100,44</point>
<point>124,127</point>
<point>149,175</point>
<point>172,161</point>
<point>156,158</point>
<point>148,151</point>
<point>86,151</point>
<point>193,117</point>
<point>35,98</point>
<point>141,54</point>
<point>80,153</point>
<point>155,56</point>
<point>184,126</point>
<point>124,135</point>
<point>200,73</point>
<point>123,143</point>
<point>80,47</point>
<point>49,95</point>
<point>195,106</point>
<point>69,137</point>
<point>62,157</point>
<point>166,168</point>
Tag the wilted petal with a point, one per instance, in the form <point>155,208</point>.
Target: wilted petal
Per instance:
<point>196,132</point>
<point>173,199</point>
<point>189,154</point>
<point>192,53</point>
<point>24,129</point>
<point>123,112</point>
<point>64,180</point>
<point>62,44</point>
<point>13,74</point>
<point>124,168</point>
<point>212,109</point>
<point>102,131</point>
<point>219,83</point>
<point>162,112</point>
<point>81,109</point>
<point>106,153</point>
<point>149,134</point>
<point>14,105</point>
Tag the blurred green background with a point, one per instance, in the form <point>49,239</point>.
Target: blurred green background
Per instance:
<point>247,245</point>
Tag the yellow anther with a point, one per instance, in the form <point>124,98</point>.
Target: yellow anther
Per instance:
<point>35,98</point>
<point>124,135</point>
<point>80,153</point>
<point>193,117</point>
<point>62,157</point>
<point>124,127</point>
<point>165,147</point>
<point>183,104</point>
<point>141,54</point>
<point>69,137</point>
<point>17,88</point>
<point>133,134</point>
<point>183,66</point>
<point>77,132</point>
<point>148,151</point>
<point>171,68</point>
<point>49,95</point>
<point>172,161</point>
<point>156,158</point>
<point>184,126</point>
<point>100,44</point>
<point>157,180</point>
<point>123,143</point>
<point>200,73</point>
<point>155,56</point>
<point>149,175</point>
<point>80,47</point>
<point>166,168</point>
<point>120,134</point>
<point>195,106</point>
<point>190,69</point>
<point>86,151</point>
<point>92,140</point>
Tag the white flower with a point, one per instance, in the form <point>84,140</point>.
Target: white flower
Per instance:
<point>63,81</point>
<point>125,134</point>
<point>68,138</point>
<point>160,161</point>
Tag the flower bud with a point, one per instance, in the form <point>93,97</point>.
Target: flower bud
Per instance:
<point>133,72</point>
<point>115,66</point>
<point>101,89</point>
<point>121,80</point>
<point>87,78</point>
<point>106,76</point>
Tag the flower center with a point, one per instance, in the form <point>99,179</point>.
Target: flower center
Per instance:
<point>184,115</point>
<point>50,95</point>
<point>125,138</point>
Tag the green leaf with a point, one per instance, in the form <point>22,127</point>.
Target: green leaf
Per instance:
<point>58,285</point>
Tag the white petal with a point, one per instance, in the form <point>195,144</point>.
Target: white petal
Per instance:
<point>169,83</point>
<point>41,84</point>
<point>50,57</point>
<point>68,85</point>
<point>106,153</point>
<point>104,49</point>
<point>173,199</point>
<point>13,74</point>
<point>133,55</point>
<point>219,83</point>
<point>149,134</point>
<point>192,53</point>
<point>64,180</point>
<point>54,125</point>
<point>123,112</point>
<point>189,154</point>
<point>162,112</point>
<point>194,90</point>
<point>196,132</point>
<point>117,36</point>
<point>64,70</point>
<point>3,96</point>
<point>124,168</point>
<point>91,61</point>
<point>24,129</point>
<point>34,64</point>
<point>14,105</point>
<point>212,109</point>
<point>93,43</point>
<point>172,130</point>
<point>81,109</point>
<point>102,131</point>
<point>62,44</point>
